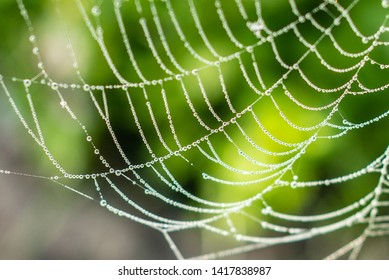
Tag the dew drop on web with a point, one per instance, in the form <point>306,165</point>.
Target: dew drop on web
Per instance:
<point>32,39</point>
<point>27,82</point>
<point>96,11</point>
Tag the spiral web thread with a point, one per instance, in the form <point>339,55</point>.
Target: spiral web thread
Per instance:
<point>267,168</point>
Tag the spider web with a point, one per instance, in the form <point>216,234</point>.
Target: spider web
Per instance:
<point>247,124</point>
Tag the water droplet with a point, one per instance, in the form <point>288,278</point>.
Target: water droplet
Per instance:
<point>86,87</point>
<point>118,3</point>
<point>103,203</point>
<point>27,82</point>
<point>256,27</point>
<point>266,210</point>
<point>32,38</point>
<point>35,50</point>
<point>96,11</point>
<point>23,12</point>
<point>89,138</point>
<point>54,86</point>
<point>385,3</point>
<point>99,31</point>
